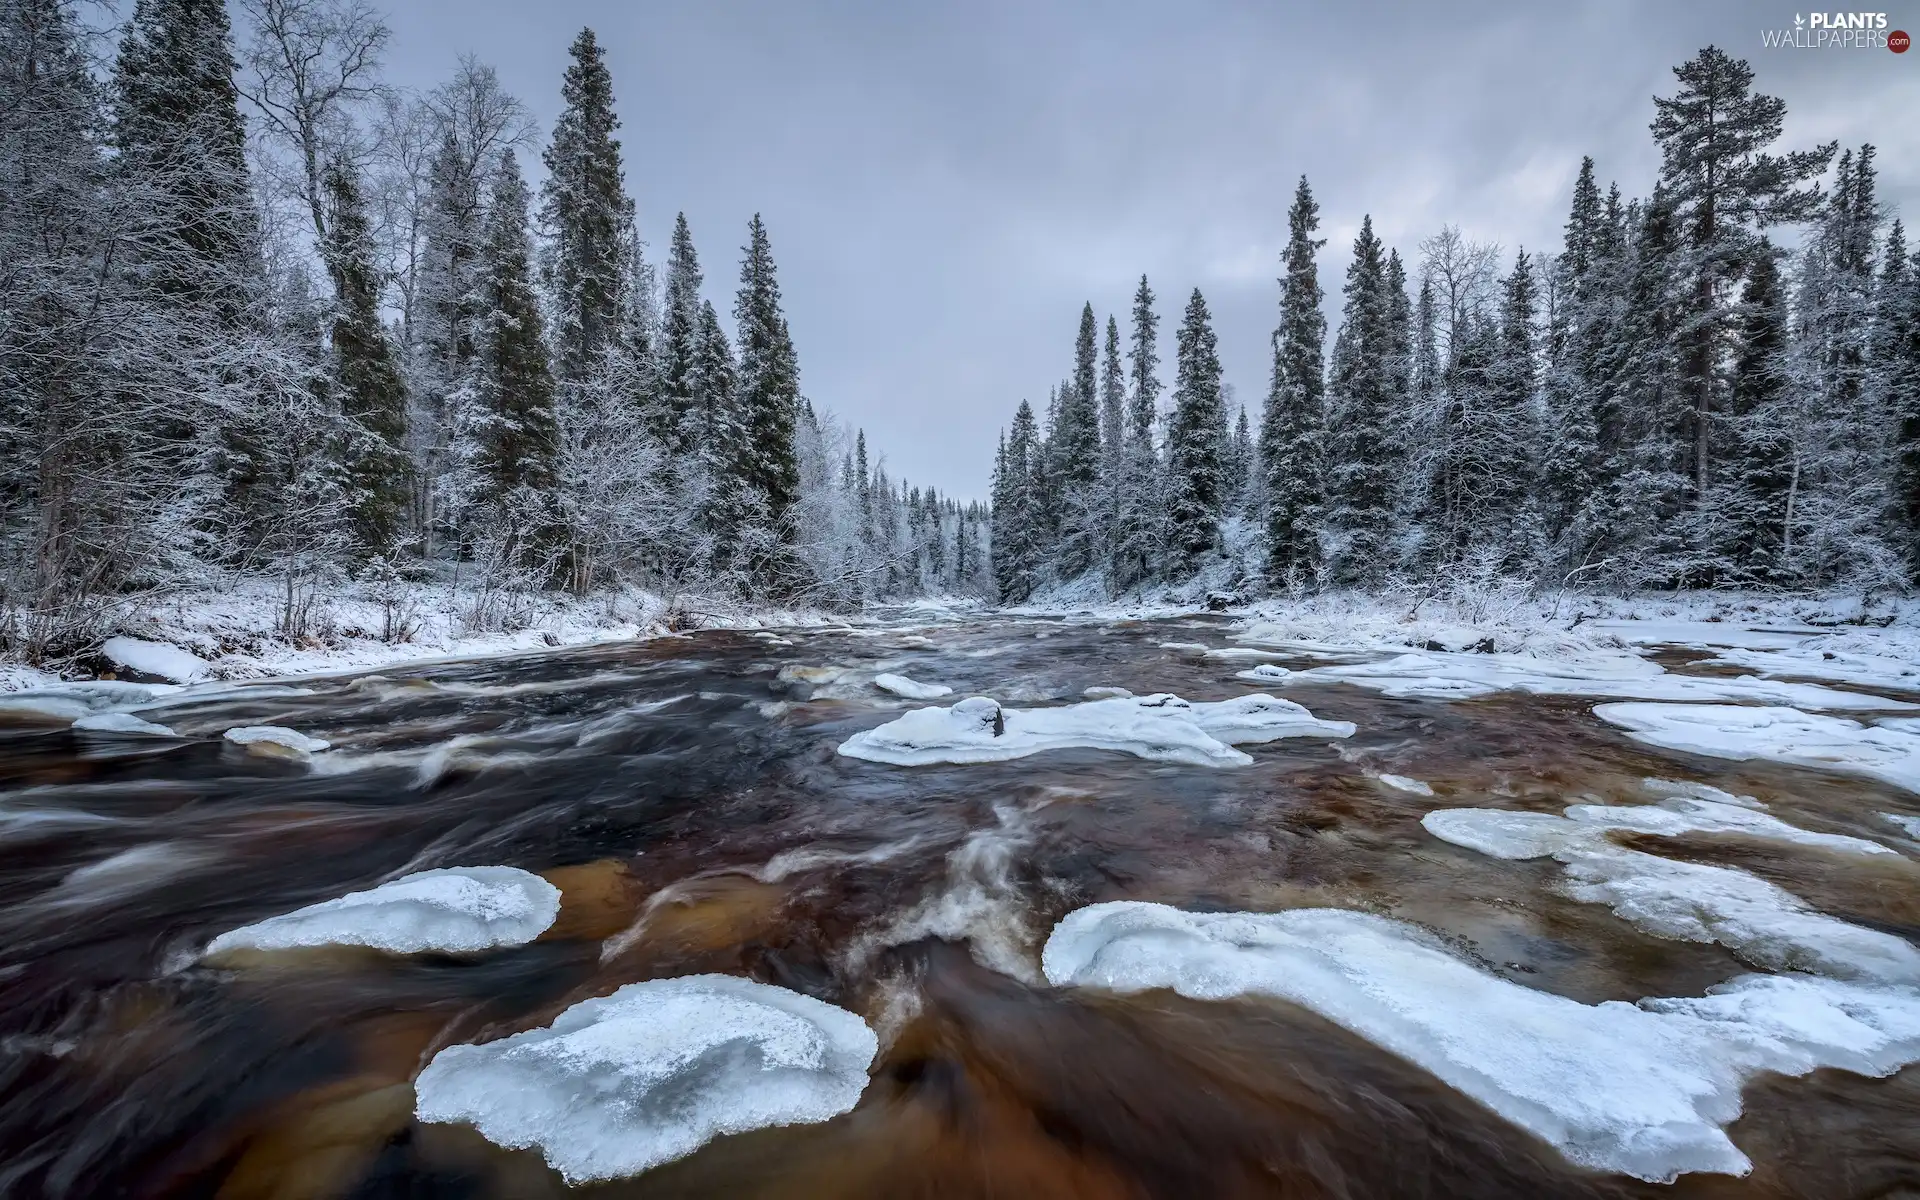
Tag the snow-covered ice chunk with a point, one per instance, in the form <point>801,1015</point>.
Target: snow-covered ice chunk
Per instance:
<point>1907,825</point>
<point>1403,783</point>
<point>1782,735</point>
<point>1264,673</point>
<point>1162,728</point>
<point>156,658</point>
<point>1448,676</point>
<point>1639,1089</point>
<point>1244,653</point>
<point>1698,791</point>
<point>1184,647</point>
<point>900,685</point>
<point>121,723</point>
<point>1706,634</point>
<point>653,1072</point>
<point>69,702</point>
<point>1106,693</point>
<point>1695,902</point>
<point>450,909</point>
<point>276,742</point>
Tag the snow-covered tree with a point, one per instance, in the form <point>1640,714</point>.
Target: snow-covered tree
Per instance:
<point>1196,435</point>
<point>1293,425</point>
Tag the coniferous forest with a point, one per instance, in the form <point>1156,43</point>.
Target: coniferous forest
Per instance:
<point>268,317</point>
<point>1714,385</point>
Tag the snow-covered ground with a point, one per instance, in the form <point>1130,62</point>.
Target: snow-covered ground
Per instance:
<point>236,633</point>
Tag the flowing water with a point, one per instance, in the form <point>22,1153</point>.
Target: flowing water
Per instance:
<point>685,795</point>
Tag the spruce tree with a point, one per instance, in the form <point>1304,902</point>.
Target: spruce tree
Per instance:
<point>768,384</point>
<point>1113,447</point>
<point>1761,463</point>
<point>586,214</point>
<point>1508,427</point>
<point>1292,429</point>
<point>1141,512</point>
<point>1015,551</point>
<point>1572,463</point>
<point>367,378</point>
<point>1074,443</point>
<point>679,344</point>
<point>1362,472</point>
<point>719,440</point>
<point>518,442</point>
<point>1898,366</point>
<point>1196,434</point>
<point>182,148</point>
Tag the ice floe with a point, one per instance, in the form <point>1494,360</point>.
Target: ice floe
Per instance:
<point>1106,693</point>
<point>275,742</point>
<point>1162,728</point>
<point>900,685</point>
<point>653,1072</point>
<point>68,702</point>
<point>449,909</point>
<point>158,659</point>
<point>1765,925</point>
<point>1448,676</point>
<point>1403,783</point>
<point>1640,1089</point>
<point>1264,673</point>
<point>1782,735</point>
<point>121,723</point>
<point>1907,825</point>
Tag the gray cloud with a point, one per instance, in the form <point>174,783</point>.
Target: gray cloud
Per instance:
<point>946,183</point>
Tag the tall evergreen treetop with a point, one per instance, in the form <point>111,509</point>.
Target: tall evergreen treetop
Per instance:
<point>1196,436</point>
<point>1292,428</point>
<point>769,377</point>
<point>519,442</point>
<point>586,213</point>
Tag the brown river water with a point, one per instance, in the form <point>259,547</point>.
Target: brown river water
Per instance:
<point>689,803</point>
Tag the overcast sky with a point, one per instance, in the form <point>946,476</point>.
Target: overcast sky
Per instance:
<point>945,183</point>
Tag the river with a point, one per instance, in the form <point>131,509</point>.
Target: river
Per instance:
<point>686,796</point>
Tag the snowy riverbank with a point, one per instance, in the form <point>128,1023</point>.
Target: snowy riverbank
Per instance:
<point>237,633</point>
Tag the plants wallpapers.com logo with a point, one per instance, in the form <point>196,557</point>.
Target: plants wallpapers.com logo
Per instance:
<point>1837,31</point>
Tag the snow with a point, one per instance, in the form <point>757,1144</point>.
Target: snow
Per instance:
<point>156,658</point>
<point>900,685</point>
<point>1264,673</point>
<point>1402,783</point>
<point>1669,631</point>
<point>1448,676</point>
<point>120,722</point>
<point>1106,693</point>
<point>651,1073</point>
<point>1639,1089</point>
<point>274,741</point>
<point>1161,728</point>
<point>68,702</point>
<point>1907,825</point>
<point>451,909</point>
<point>1782,735</point>
<point>1765,925</point>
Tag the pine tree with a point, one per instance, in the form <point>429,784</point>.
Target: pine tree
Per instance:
<point>1897,361</point>
<point>372,395</point>
<point>679,343</point>
<point>1196,433</point>
<point>769,381</point>
<point>1113,447</point>
<point>182,146</point>
<point>1362,473</point>
<point>1015,549</point>
<point>1292,429</point>
<point>518,453</point>
<point>587,216</point>
<point>1724,189</point>
<point>1141,513</point>
<point>1761,465</point>
<point>1074,442</point>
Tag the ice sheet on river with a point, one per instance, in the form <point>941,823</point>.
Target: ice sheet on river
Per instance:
<point>653,1072</point>
<point>1163,728</point>
<point>1782,735</point>
<point>1765,925</point>
<point>450,909</point>
<point>1641,1089</point>
<point>1449,676</point>
<point>912,689</point>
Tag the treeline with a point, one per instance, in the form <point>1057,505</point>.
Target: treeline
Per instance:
<point>1674,399</point>
<point>266,315</point>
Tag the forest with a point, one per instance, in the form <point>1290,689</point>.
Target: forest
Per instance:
<point>1714,386</point>
<point>265,316</point>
